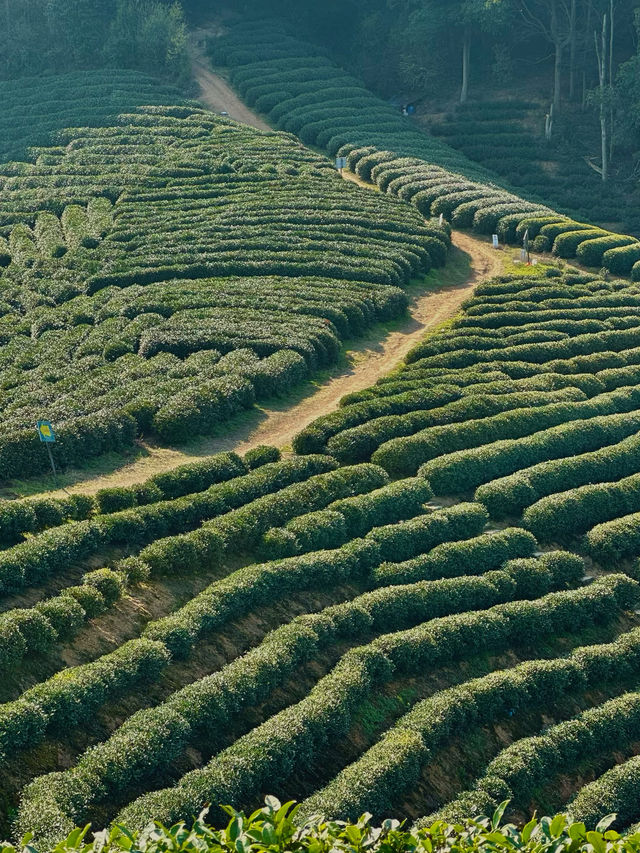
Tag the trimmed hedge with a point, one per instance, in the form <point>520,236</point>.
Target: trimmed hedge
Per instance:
<point>46,555</point>
<point>574,511</point>
<point>148,741</point>
<point>615,540</point>
<point>393,765</point>
<point>471,556</point>
<point>347,519</point>
<point>419,535</point>
<point>466,469</point>
<point>509,496</point>
<point>274,748</point>
<point>531,762</point>
<point>615,792</point>
<point>403,456</point>
<point>360,443</point>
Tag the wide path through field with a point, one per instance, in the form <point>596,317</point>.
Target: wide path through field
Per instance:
<point>215,92</point>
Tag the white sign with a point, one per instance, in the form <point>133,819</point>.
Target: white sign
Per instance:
<point>495,241</point>
<point>441,219</point>
<point>341,162</point>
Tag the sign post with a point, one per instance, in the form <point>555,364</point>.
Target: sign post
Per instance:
<point>47,437</point>
<point>496,244</point>
<point>525,247</point>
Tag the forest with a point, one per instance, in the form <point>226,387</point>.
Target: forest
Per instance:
<point>52,36</point>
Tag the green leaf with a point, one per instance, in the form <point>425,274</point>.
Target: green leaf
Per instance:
<point>605,822</point>
<point>596,840</point>
<point>557,825</point>
<point>577,831</point>
<point>497,815</point>
<point>528,829</point>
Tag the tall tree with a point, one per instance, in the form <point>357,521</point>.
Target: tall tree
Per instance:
<point>555,20</point>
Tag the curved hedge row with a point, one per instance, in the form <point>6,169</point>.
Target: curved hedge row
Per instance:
<point>466,469</point>
<point>576,510</point>
<point>347,519</point>
<point>403,456</point>
<point>530,762</point>
<point>615,540</point>
<point>615,792</point>
<point>257,584</point>
<point>393,764</point>
<point>18,518</point>
<point>274,747</point>
<point>471,556</point>
<point>149,740</point>
<point>360,443</point>
<point>510,495</point>
<point>51,552</point>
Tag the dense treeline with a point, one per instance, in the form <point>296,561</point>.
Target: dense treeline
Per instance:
<point>39,36</point>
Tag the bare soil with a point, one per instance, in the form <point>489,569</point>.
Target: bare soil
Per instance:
<point>215,92</point>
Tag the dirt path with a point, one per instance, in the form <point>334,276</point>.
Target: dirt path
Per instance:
<point>215,92</point>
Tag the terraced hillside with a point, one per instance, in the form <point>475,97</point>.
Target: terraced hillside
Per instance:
<point>300,90</point>
<point>161,273</point>
<point>368,625</point>
<point>507,136</point>
<point>34,109</point>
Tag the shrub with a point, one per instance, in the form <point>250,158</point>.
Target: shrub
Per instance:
<point>591,252</point>
<point>261,455</point>
<point>471,556</point>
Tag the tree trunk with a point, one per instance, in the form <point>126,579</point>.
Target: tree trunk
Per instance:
<point>7,33</point>
<point>558,45</point>
<point>573,39</point>
<point>611,30</point>
<point>557,75</point>
<point>587,36</point>
<point>601,54</point>
<point>466,57</point>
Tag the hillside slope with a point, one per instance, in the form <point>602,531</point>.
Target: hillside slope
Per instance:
<point>161,273</point>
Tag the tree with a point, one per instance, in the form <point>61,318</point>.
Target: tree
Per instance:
<point>449,30</point>
<point>555,20</point>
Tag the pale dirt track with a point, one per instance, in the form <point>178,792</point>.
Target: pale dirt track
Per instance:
<point>215,92</point>
<point>367,359</point>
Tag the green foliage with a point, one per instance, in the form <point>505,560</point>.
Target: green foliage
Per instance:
<point>55,36</point>
<point>261,455</point>
<point>574,511</point>
<point>147,327</point>
<point>512,494</point>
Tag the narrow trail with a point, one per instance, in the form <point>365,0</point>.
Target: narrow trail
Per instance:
<point>364,360</point>
<point>215,92</point>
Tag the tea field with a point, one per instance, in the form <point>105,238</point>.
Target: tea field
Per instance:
<point>506,136</point>
<point>34,109</point>
<point>299,89</point>
<point>432,605</point>
<point>162,272</point>
<point>428,609</point>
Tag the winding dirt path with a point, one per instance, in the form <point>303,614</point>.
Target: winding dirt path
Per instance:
<point>364,361</point>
